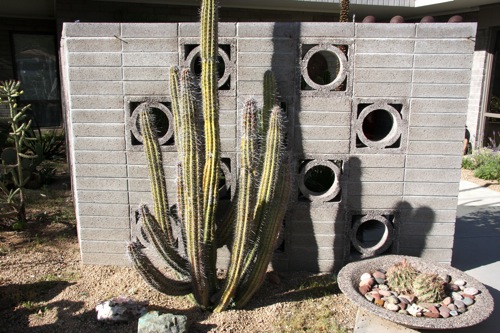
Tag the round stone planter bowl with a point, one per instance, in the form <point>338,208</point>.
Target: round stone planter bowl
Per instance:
<point>349,277</point>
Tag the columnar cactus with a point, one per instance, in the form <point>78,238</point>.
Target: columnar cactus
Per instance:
<point>254,220</point>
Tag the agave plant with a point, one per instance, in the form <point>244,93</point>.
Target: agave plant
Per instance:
<point>252,223</point>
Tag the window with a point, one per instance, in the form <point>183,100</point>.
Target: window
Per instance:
<point>36,66</point>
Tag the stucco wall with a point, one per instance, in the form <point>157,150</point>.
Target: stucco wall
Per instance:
<point>403,177</point>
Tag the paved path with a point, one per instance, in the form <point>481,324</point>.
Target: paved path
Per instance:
<point>476,251</point>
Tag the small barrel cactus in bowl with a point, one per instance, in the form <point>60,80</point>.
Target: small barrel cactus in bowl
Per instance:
<point>400,277</point>
<point>428,288</point>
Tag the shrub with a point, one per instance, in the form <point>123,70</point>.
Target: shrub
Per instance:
<point>490,170</point>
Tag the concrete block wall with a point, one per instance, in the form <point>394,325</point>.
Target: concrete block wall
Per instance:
<point>376,137</point>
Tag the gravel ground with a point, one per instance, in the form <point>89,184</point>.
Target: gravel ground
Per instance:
<point>44,288</point>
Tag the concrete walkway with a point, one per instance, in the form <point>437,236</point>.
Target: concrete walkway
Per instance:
<point>476,251</point>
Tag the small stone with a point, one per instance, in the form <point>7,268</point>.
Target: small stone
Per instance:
<point>379,275</point>
<point>409,298</point>
<point>469,296</point>
<point>391,307</point>
<point>459,303</point>
<point>447,301</point>
<point>383,287</point>
<point>460,282</point>
<point>471,291</point>
<point>380,281</point>
<point>453,313</point>
<point>433,309</point>
<point>403,300</point>
<point>452,307</point>
<point>431,315</point>
<point>452,287</point>
<point>444,312</point>
<point>379,302</point>
<point>364,289</point>
<point>153,322</point>
<point>376,295</point>
<point>456,296</point>
<point>120,309</point>
<point>414,310</point>
<point>369,297</point>
<point>365,276</point>
<point>370,282</point>
<point>403,312</point>
<point>403,305</point>
<point>392,299</point>
<point>468,301</point>
<point>385,293</point>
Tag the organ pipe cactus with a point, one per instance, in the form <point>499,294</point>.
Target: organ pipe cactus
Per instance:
<point>254,219</point>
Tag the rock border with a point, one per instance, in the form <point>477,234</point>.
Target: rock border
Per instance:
<point>348,280</point>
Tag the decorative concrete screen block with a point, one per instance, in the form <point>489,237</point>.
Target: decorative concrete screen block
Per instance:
<point>376,116</point>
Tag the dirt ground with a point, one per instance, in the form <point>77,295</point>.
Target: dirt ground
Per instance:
<point>45,288</point>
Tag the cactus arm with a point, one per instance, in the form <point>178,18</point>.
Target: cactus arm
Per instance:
<point>269,93</point>
<point>266,242</point>
<point>154,277</point>
<point>209,95</point>
<point>156,174</point>
<point>245,202</point>
<point>165,250</point>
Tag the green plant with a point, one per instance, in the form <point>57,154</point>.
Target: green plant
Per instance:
<point>489,170</point>
<point>344,11</point>
<point>255,215</point>
<point>14,161</point>
<point>468,162</point>
<point>428,288</point>
<point>400,277</point>
<point>47,145</point>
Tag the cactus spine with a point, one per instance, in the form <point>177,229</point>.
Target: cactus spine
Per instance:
<point>429,288</point>
<point>258,208</point>
<point>400,277</point>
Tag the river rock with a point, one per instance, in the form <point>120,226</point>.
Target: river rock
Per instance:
<point>120,309</point>
<point>392,299</point>
<point>365,276</point>
<point>154,322</point>
<point>456,296</point>
<point>453,313</point>
<point>447,301</point>
<point>379,302</point>
<point>369,297</point>
<point>444,311</point>
<point>370,282</point>
<point>471,291</point>
<point>385,293</point>
<point>468,301</point>
<point>364,289</point>
<point>379,275</point>
<point>431,315</point>
<point>391,307</point>
<point>452,307</point>
<point>460,282</point>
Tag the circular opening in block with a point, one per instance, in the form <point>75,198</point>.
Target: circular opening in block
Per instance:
<point>193,59</point>
<point>196,66</point>
<point>370,233</point>
<point>323,67</point>
<point>319,179</point>
<point>377,125</point>
<point>162,121</point>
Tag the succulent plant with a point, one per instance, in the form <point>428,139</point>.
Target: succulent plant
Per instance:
<point>400,277</point>
<point>428,288</point>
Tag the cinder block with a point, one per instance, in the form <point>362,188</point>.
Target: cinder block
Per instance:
<point>264,29</point>
<point>146,73</point>
<point>149,30</point>
<point>95,74</point>
<point>376,75</point>
<point>261,59</point>
<point>446,30</point>
<point>432,175</point>
<point>446,46</point>
<point>384,45</point>
<point>103,197</point>
<point>435,148</point>
<point>321,118</point>
<point>376,188</point>
<point>103,234</point>
<point>387,30</point>
<point>323,132</point>
<point>96,102</point>
<point>441,90</point>
<point>104,246</point>
<point>141,171</point>
<point>143,185</point>
<point>377,161</point>
<point>266,45</point>
<point>431,203</point>
<point>450,120</point>
<point>423,229</point>
<point>428,216</point>
<point>436,255</point>
<point>100,157</point>
<point>441,61</point>
<point>112,44</point>
<point>436,134</point>
<point>105,222</point>
<point>427,105</point>
<point>381,60</point>
<point>91,29</point>
<point>95,183</point>
<point>114,259</point>
<point>146,88</point>
<point>93,209</point>
<point>433,162</point>
<point>304,213</point>
<point>368,174</point>
<point>451,76</point>
<point>98,130</point>
<point>93,88</point>
<point>382,89</point>
<point>155,59</point>
<point>318,103</point>
<point>101,59</point>
<point>151,45</point>
<point>322,147</point>
<point>374,202</point>
<point>103,143</point>
<point>100,170</point>
<point>226,29</point>
<point>428,242</point>
<point>97,116</point>
<point>434,189</point>
<point>328,30</point>
<point>255,87</point>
